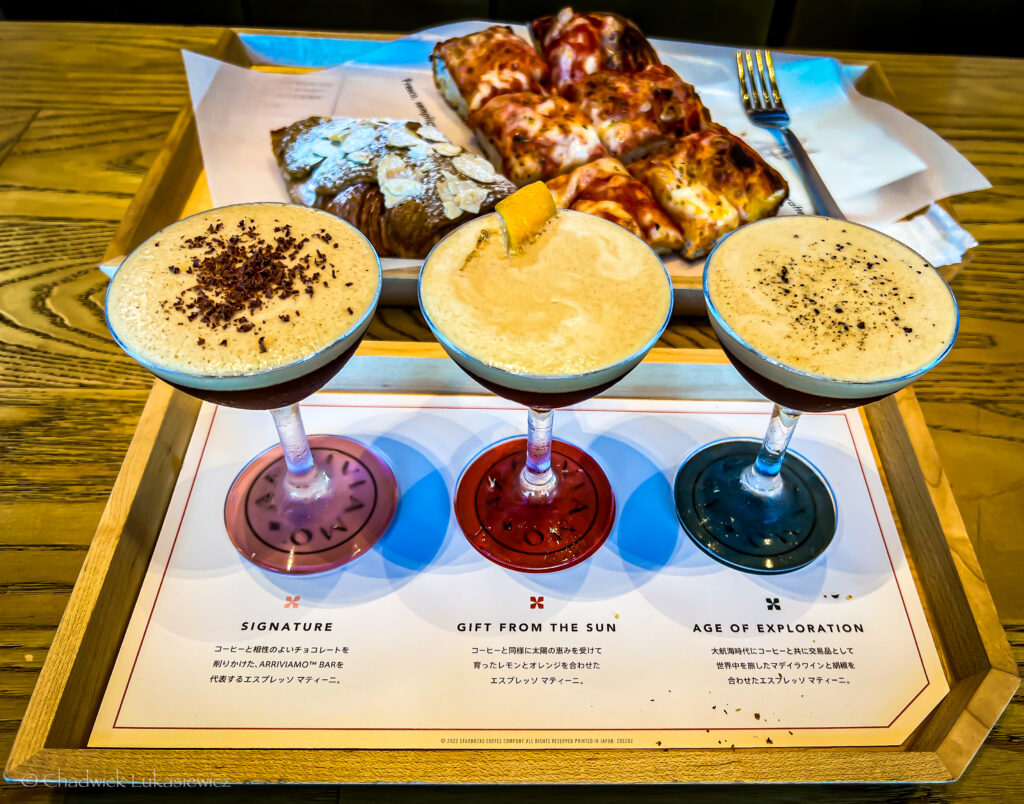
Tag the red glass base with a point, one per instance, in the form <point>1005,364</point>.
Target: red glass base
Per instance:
<point>279,534</point>
<point>534,537</point>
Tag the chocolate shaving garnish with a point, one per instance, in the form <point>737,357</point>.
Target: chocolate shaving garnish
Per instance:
<point>236,275</point>
<point>263,346</point>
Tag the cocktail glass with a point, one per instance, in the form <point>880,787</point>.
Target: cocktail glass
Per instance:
<point>307,504</point>
<point>758,506</point>
<point>537,504</point>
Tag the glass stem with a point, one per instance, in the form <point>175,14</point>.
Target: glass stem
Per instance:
<point>304,480</point>
<point>537,479</point>
<point>762,476</point>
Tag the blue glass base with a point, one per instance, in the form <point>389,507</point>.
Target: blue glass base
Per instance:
<point>767,535</point>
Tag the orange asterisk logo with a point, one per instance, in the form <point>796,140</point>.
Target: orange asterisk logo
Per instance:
<point>292,602</point>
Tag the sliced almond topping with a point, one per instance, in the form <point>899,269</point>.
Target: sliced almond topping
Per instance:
<point>324,147</point>
<point>475,167</point>
<point>403,187</point>
<point>397,180</point>
<point>342,130</point>
<point>358,139</point>
<point>401,137</point>
<point>392,166</point>
<point>419,152</point>
<point>432,133</point>
<point>471,199</point>
<point>447,149</point>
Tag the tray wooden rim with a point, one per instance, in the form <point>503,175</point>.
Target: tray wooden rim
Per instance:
<point>981,670</point>
<point>172,178</point>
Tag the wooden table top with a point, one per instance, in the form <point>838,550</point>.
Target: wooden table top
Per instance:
<point>84,109</point>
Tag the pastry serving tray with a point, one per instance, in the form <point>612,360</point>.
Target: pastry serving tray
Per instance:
<point>176,185</point>
<point>972,646</point>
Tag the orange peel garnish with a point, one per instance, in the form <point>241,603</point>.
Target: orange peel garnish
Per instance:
<point>525,212</point>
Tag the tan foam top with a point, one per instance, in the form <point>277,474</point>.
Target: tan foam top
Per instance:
<point>832,298</point>
<point>584,295</point>
<point>153,294</point>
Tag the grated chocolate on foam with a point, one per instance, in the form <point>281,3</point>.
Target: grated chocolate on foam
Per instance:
<point>243,289</point>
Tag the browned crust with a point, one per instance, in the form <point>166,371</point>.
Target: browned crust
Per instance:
<point>621,43</point>
<point>468,60</point>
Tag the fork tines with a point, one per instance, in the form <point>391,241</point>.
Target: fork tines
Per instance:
<point>759,90</point>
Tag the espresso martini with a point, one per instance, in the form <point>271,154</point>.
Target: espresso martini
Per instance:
<point>821,314</point>
<point>240,305</point>
<point>556,323</point>
<point>258,306</point>
<point>550,324</point>
<point>817,314</point>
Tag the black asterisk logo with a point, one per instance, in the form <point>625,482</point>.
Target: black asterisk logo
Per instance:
<point>773,604</point>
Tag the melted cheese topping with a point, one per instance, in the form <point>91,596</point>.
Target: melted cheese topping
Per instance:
<point>537,137</point>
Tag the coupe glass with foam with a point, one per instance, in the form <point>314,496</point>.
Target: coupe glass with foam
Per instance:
<point>257,306</point>
<point>554,326</point>
<point>817,314</point>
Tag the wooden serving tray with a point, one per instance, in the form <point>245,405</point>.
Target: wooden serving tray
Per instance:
<point>176,185</point>
<point>972,645</point>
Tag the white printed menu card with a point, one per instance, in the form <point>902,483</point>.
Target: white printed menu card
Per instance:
<point>423,643</point>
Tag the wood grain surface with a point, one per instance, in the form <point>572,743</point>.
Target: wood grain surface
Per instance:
<point>83,112</point>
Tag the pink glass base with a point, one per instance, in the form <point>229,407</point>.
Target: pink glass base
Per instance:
<point>304,537</point>
<point>534,537</point>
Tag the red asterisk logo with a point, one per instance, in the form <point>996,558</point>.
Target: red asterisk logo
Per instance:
<point>537,602</point>
<point>292,602</point>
